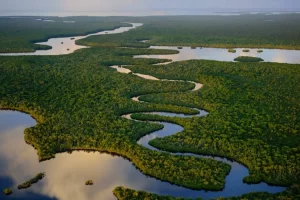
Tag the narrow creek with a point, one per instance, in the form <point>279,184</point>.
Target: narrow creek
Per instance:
<point>67,173</point>
<point>234,181</point>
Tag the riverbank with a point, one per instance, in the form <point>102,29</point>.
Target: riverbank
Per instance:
<point>81,101</point>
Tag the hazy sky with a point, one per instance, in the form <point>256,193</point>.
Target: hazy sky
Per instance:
<point>125,5</point>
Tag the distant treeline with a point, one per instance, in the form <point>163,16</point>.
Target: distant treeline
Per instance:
<point>244,31</point>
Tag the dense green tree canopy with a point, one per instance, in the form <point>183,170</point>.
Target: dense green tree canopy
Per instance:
<point>254,115</point>
<point>78,101</point>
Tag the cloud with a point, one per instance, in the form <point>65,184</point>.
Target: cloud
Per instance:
<point>125,5</point>
<point>67,173</point>
<point>102,5</point>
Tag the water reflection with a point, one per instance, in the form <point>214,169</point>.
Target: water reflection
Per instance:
<point>123,70</point>
<point>168,130</point>
<point>67,173</point>
<point>187,53</point>
<point>66,45</point>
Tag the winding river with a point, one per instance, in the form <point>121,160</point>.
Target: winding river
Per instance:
<point>67,173</point>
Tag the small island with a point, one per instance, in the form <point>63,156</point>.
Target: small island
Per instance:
<point>72,38</point>
<point>248,59</point>
<point>246,50</point>
<point>260,51</point>
<point>89,182</point>
<point>179,47</point>
<point>34,180</point>
<point>231,50</point>
<point>7,191</point>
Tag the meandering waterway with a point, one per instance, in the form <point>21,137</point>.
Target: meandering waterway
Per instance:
<point>66,174</point>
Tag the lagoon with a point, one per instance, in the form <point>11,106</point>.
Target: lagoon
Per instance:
<point>221,54</point>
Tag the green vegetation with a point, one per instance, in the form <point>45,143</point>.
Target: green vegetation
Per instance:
<point>179,47</point>
<point>78,102</point>
<point>246,50</point>
<point>208,31</point>
<point>7,191</point>
<point>260,51</point>
<point>20,34</point>
<point>248,59</point>
<point>231,50</point>
<point>254,115</point>
<point>292,193</point>
<point>89,182</point>
<point>127,194</point>
<point>34,180</point>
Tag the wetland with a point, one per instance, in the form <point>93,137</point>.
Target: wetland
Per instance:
<point>127,121</point>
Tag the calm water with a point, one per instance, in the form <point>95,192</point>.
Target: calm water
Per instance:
<point>50,20</point>
<point>187,53</point>
<point>66,45</point>
<point>168,127</point>
<point>122,69</point>
<point>67,173</point>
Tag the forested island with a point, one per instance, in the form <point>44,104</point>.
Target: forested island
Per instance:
<point>32,181</point>
<point>248,59</point>
<point>7,191</point>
